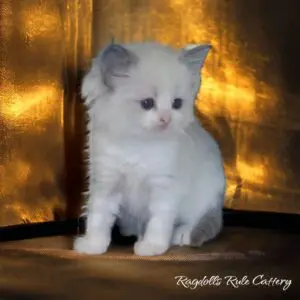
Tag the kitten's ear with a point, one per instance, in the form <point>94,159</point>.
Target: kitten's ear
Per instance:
<point>114,62</point>
<point>194,56</point>
<point>111,63</point>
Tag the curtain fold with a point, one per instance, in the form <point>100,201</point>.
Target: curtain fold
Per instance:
<point>44,44</point>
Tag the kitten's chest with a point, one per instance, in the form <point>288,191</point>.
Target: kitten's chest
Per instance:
<point>136,170</point>
<point>137,164</point>
<point>138,160</point>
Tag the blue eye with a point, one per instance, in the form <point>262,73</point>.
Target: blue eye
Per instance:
<point>177,103</point>
<point>148,103</point>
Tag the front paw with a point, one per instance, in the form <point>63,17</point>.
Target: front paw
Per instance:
<point>147,248</point>
<point>91,245</point>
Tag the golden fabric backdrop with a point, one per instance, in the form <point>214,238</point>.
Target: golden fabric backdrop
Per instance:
<point>244,101</point>
<point>43,44</point>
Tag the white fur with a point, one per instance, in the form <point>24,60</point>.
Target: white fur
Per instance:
<point>163,185</point>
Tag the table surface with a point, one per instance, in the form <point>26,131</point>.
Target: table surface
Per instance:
<point>46,268</point>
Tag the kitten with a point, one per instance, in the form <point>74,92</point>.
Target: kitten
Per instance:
<point>152,168</point>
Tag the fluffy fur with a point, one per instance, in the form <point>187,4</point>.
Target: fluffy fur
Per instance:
<point>155,171</point>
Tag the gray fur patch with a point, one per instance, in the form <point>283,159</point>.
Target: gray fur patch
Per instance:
<point>195,57</point>
<point>208,228</point>
<point>115,61</point>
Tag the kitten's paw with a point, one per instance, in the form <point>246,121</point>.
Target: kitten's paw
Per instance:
<point>88,245</point>
<point>145,248</point>
<point>181,236</point>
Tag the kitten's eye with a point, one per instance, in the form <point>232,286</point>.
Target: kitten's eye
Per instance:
<point>177,103</point>
<point>148,103</point>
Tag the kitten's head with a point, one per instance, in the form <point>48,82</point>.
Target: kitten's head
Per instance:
<point>145,88</point>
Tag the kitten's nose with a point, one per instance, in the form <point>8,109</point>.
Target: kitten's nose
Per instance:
<point>165,119</point>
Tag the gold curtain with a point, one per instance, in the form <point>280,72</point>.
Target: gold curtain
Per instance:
<point>43,45</point>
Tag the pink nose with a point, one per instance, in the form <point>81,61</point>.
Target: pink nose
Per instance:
<point>165,119</point>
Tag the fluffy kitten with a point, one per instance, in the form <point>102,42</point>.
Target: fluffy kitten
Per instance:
<point>152,167</point>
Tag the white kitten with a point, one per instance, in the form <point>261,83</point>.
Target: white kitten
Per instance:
<point>152,167</point>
